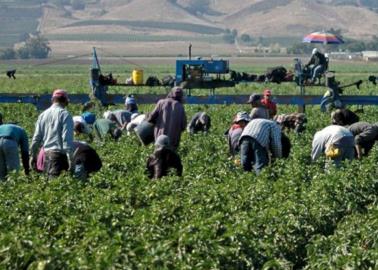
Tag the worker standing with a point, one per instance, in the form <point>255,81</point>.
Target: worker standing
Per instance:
<point>12,136</point>
<point>269,103</point>
<point>54,131</point>
<point>169,117</point>
<point>258,109</point>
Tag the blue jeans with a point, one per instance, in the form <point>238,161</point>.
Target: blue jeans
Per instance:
<point>253,154</point>
<point>9,159</point>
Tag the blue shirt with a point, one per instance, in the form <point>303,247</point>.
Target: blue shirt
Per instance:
<point>17,134</point>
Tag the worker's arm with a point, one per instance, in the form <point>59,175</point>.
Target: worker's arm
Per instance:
<point>317,147</point>
<point>276,141</point>
<point>153,116</point>
<point>67,136</point>
<point>37,140</point>
<point>24,145</point>
<point>358,151</point>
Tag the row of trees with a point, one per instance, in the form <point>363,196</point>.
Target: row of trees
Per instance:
<point>35,46</point>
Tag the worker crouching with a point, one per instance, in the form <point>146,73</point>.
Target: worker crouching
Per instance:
<point>163,159</point>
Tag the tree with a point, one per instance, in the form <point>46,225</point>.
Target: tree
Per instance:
<point>8,54</point>
<point>35,47</point>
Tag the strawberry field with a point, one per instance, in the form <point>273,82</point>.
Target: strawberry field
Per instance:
<point>295,215</point>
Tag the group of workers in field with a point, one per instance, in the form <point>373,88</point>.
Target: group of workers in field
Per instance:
<point>254,139</point>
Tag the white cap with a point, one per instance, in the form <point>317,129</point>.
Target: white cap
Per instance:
<point>315,50</point>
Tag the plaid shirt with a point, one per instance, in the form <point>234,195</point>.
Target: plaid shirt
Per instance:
<point>265,132</point>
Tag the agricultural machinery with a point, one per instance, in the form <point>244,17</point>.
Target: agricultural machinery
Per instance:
<point>197,73</point>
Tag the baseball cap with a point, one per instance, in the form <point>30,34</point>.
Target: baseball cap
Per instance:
<point>267,92</point>
<point>253,98</point>
<point>130,100</point>
<point>60,93</point>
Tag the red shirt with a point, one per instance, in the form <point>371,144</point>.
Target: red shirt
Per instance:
<point>271,106</point>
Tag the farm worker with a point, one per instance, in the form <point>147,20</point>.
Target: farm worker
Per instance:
<point>269,103</point>
<point>104,127</point>
<point>12,136</point>
<point>292,121</point>
<point>169,117</point>
<point>85,160</point>
<point>120,117</point>
<point>233,134</point>
<point>136,119</point>
<point>344,117</point>
<point>82,127</point>
<point>258,109</point>
<point>163,159</point>
<point>317,64</point>
<point>257,138</point>
<point>200,122</point>
<point>54,131</point>
<point>365,135</point>
<point>130,104</point>
<point>335,141</point>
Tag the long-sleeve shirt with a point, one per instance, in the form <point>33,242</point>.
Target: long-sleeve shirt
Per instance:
<point>265,132</point>
<point>327,136</point>
<point>271,106</point>
<point>54,130</point>
<point>199,122</point>
<point>134,123</point>
<point>19,135</point>
<point>259,112</point>
<point>364,132</point>
<point>233,136</point>
<point>103,127</point>
<point>169,119</point>
<point>159,163</point>
<point>122,116</point>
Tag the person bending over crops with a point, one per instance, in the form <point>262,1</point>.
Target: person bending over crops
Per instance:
<point>169,117</point>
<point>233,134</point>
<point>119,117</point>
<point>131,104</point>
<point>257,137</point>
<point>292,121</point>
<point>136,119</point>
<point>258,109</point>
<point>200,122</point>
<point>12,136</point>
<point>344,117</point>
<point>365,135</point>
<point>82,127</point>
<point>103,127</point>
<point>163,159</point>
<point>336,142</point>
<point>269,103</point>
<point>85,160</point>
<point>54,131</point>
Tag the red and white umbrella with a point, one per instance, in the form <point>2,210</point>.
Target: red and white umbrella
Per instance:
<point>323,38</point>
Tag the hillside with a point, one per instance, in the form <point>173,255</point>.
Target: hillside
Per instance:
<point>202,21</point>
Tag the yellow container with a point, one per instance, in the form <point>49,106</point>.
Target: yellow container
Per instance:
<point>137,76</point>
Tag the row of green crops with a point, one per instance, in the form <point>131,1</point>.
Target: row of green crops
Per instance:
<point>294,215</point>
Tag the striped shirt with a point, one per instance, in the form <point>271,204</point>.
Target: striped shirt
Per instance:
<point>265,132</point>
